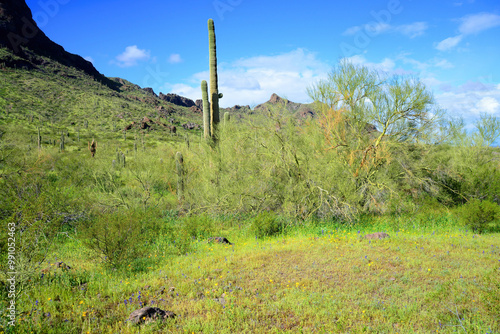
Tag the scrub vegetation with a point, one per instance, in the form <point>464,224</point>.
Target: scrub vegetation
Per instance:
<point>294,195</point>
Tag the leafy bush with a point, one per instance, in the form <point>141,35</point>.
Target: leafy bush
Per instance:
<point>197,226</point>
<point>118,238</point>
<point>266,224</point>
<point>35,212</point>
<point>477,214</point>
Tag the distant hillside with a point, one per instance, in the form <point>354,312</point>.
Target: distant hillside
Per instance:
<point>45,86</point>
<point>51,88</point>
<point>20,33</point>
<point>299,109</point>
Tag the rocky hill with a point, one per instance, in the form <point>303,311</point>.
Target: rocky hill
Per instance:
<point>20,33</point>
<point>62,81</point>
<point>299,109</point>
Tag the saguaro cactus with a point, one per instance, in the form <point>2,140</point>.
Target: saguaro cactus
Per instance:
<point>227,117</point>
<point>206,110</point>
<point>214,89</point>
<point>92,147</point>
<point>39,140</point>
<point>62,142</point>
<point>179,161</point>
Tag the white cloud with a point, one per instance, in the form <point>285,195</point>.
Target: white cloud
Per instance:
<point>470,24</point>
<point>431,81</point>
<point>386,65</point>
<point>352,30</point>
<point>443,63</point>
<point>488,105</point>
<point>376,28</point>
<point>471,99</point>
<point>253,80</point>
<point>412,30</point>
<point>473,24</point>
<point>175,58</point>
<point>131,56</point>
<point>449,43</point>
<point>88,58</point>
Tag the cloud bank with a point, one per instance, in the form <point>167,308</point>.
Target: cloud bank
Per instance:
<point>253,80</point>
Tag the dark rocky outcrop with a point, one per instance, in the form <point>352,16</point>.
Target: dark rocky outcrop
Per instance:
<point>177,100</point>
<point>129,127</point>
<point>238,109</point>
<point>149,90</point>
<point>20,33</point>
<point>300,109</point>
<point>199,103</point>
<point>195,109</point>
<point>149,313</point>
<point>165,112</point>
<point>146,123</point>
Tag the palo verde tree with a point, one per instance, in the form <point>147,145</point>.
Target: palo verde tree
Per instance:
<point>364,115</point>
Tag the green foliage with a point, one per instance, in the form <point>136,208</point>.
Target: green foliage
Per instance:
<point>477,214</point>
<point>199,227</point>
<point>37,209</point>
<point>117,238</point>
<point>266,224</point>
<point>488,129</point>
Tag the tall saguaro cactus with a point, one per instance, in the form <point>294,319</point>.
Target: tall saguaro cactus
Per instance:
<point>214,89</point>
<point>206,110</point>
<point>39,140</point>
<point>179,161</point>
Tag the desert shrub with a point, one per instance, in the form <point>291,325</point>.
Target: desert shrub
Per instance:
<point>117,238</point>
<point>36,209</point>
<point>266,224</point>
<point>477,214</point>
<point>197,226</point>
<point>173,239</point>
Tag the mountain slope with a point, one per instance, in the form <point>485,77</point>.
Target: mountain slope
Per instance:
<point>20,33</point>
<point>299,109</point>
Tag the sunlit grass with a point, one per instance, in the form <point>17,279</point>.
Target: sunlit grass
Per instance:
<point>323,279</point>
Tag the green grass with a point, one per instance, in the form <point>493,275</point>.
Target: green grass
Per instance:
<point>316,278</point>
<point>314,274</point>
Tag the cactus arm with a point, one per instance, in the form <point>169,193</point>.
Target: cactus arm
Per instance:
<point>206,110</point>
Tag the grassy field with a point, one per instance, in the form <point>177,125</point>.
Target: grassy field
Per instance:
<point>294,195</point>
<point>429,276</point>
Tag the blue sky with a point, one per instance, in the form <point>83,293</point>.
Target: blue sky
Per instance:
<point>282,47</point>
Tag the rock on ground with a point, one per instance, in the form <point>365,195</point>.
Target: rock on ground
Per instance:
<point>377,235</point>
<point>149,313</point>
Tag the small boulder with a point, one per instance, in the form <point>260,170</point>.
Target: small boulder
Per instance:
<point>195,109</point>
<point>129,127</point>
<point>219,240</point>
<point>199,104</point>
<point>62,265</point>
<point>190,126</point>
<point>377,235</point>
<point>56,265</point>
<point>149,313</point>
